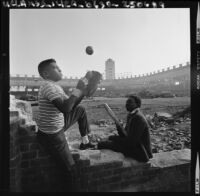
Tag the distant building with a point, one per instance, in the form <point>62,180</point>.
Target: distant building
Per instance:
<point>110,69</point>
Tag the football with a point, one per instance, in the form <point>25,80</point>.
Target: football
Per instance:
<point>89,50</point>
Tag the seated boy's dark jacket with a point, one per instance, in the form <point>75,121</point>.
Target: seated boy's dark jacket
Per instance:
<point>138,136</point>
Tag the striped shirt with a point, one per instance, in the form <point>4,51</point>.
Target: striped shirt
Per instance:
<point>50,119</point>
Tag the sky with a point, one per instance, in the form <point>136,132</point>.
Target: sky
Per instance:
<point>138,40</point>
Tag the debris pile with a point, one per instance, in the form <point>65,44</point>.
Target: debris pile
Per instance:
<point>169,138</point>
<point>164,119</point>
<point>170,132</point>
<point>186,113</point>
<point>103,122</point>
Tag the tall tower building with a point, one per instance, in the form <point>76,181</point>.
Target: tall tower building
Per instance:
<point>110,69</point>
<point>198,24</point>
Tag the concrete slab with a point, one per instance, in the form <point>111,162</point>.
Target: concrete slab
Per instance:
<point>171,158</point>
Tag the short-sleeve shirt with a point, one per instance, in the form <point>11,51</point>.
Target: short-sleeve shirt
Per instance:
<point>50,119</point>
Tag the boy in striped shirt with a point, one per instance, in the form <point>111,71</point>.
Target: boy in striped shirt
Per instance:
<point>58,111</point>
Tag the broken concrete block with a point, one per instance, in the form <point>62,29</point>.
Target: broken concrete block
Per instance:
<point>167,159</point>
<point>22,107</point>
<point>163,114</point>
<point>91,154</point>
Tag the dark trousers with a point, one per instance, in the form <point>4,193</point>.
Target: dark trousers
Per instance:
<point>119,144</point>
<point>114,143</point>
<point>56,144</point>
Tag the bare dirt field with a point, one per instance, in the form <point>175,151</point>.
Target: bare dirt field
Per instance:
<point>165,137</point>
<point>149,106</point>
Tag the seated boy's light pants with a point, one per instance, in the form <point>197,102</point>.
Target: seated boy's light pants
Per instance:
<point>57,144</point>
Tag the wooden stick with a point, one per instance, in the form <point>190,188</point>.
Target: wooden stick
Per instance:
<point>113,116</point>
<point>111,113</point>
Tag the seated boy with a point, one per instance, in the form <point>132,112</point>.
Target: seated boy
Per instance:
<point>134,139</point>
<point>58,111</point>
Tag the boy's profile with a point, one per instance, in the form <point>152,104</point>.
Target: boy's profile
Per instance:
<point>58,111</point>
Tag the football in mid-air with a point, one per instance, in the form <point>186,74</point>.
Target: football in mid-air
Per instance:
<point>89,50</point>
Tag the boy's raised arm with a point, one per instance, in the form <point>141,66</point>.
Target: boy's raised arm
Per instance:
<point>66,105</point>
<point>85,87</point>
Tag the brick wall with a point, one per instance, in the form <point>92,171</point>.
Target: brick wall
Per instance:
<point>34,170</point>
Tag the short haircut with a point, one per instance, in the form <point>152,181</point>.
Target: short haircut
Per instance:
<point>44,65</point>
<point>137,99</point>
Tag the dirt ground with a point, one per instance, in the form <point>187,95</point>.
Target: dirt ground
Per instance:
<point>164,137</point>
<point>149,106</point>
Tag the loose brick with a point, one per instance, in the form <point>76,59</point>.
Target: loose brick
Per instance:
<point>131,174</point>
<point>29,155</point>
<point>48,168</point>
<point>84,182</point>
<point>25,179</point>
<point>45,161</point>
<point>115,186</point>
<point>12,173</point>
<point>15,161</point>
<point>151,171</point>
<point>122,170</point>
<point>12,181</point>
<point>76,156</point>
<point>11,144</point>
<point>11,138</point>
<point>12,153</point>
<point>115,178</point>
<point>184,169</point>
<point>102,174</point>
<point>83,163</point>
<point>27,129</point>
<point>28,172</point>
<point>124,184</point>
<point>114,164</point>
<point>35,163</point>
<point>92,189</point>
<point>22,131</point>
<point>42,154</point>
<point>92,168</point>
<point>24,148</point>
<point>103,188</point>
<point>35,146</point>
<point>95,182</point>
<point>26,139</point>
<point>137,180</point>
<point>14,127</point>
<point>24,164</point>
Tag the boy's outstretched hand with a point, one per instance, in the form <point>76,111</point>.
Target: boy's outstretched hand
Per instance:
<point>89,84</point>
<point>94,78</point>
<point>82,86</point>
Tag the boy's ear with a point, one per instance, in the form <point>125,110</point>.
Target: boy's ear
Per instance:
<point>45,74</point>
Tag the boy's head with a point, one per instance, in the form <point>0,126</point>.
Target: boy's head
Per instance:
<point>49,70</point>
<point>133,102</point>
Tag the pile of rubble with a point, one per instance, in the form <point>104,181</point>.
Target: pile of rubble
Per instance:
<point>170,132</point>
<point>164,119</point>
<point>103,122</point>
<point>169,138</point>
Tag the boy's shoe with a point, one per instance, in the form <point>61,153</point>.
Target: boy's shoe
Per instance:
<point>87,146</point>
